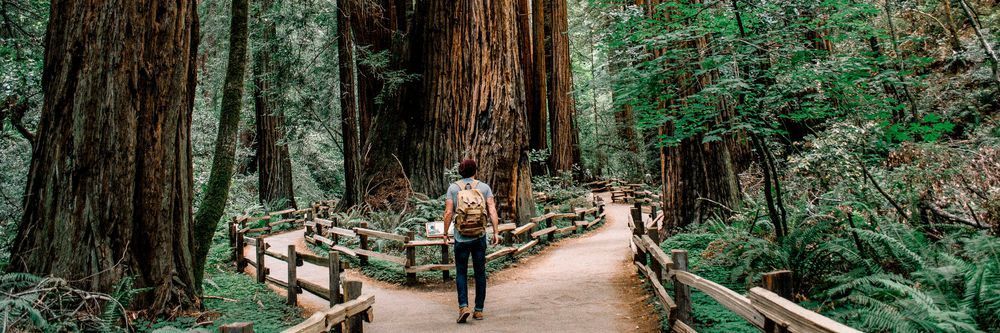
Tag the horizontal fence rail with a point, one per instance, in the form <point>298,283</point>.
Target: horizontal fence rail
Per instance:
<point>763,307</point>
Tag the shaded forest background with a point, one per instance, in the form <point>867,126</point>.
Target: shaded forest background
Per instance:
<point>853,142</point>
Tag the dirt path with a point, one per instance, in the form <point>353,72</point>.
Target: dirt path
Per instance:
<point>583,284</point>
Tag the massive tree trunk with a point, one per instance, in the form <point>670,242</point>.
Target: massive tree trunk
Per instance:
<point>110,186</point>
<point>213,203</point>
<point>693,171</point>
<point>274,166</point>
<point>538,114</point>
<point>381,26</point>
<point>348,105</point>
<point>561,116</point>
<point>473,103</point>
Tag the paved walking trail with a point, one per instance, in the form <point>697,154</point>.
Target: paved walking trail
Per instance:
<point>582,284</point>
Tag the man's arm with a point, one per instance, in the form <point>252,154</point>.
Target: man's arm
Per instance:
<point>491,204</point>
<point>448,204</point>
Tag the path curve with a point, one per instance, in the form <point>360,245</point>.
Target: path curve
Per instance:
<point>581,284</point>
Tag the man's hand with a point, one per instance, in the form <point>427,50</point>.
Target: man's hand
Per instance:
<point>496,239</point>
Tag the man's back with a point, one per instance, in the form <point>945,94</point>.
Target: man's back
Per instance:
<point>452,195</point>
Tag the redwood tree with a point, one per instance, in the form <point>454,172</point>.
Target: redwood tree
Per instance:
<point>213,204</point>
<point>348,104</point>
<point>565,149</point>
<point>274,166</point>
<point>110,184</point>
<point>473,102</point>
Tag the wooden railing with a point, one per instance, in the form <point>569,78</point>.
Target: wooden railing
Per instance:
<point>516,239</point>
<point>767,307</point>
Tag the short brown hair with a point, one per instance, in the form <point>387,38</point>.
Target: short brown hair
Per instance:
<point>467,168</point>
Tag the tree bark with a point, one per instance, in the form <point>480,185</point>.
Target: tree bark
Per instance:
<point>213,203</point>
<point>111,182</point>
<point>473,104</point>
<point>538,117</point>
<point>274,166</point>
<point>348,105</point>
<point>562,126</point>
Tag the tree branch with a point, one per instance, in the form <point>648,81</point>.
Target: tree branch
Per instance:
<point>945,214</point>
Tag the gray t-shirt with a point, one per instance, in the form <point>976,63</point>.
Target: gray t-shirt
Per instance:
<point>453,196</point>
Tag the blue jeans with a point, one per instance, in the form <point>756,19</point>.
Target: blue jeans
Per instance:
<point>477,249</point>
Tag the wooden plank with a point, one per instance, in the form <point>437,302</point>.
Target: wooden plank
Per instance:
<point>639,244</point>
<point>500,253</point>
<point>562,231</point>
<point>314,288</point>
<point>729,299</point>
<point>581,224</point>
<point>249,241</point>
<point>345,250</point>
<point>681,327</point>
<point>334,315</point>
<point>381,256</point>
<point>563,215</point>
<point>658,289</point>
<point>795,317</point>
<point>281,212</point>
<point>595,221</point>
<point>524,228</point>
<point>506,227</point>
<point>323,222</point>
<point>314,324</point>
<point>380,234</point>
<point>426,242</point>
<point>276,255</point>
<point>543,232</point>
<point>542,218</point>
<point>432,267</point>
<point>314,259</point>
<point>525,246</point>
<point>341,231</point>
<point>656,252</point>
<point>280,283</point>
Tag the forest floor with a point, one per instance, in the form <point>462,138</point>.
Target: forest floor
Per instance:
<point>581,284</point>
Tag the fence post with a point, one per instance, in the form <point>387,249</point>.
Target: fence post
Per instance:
<point>445,259</point>
<point>244,327</point>
<point>352,290</point>
<point>293,285</point>
<point>639,230</point>
<point>581,216</point>
<point>653,263</point>
<point>682,293</point>
<point>261,267</point>
<point>334,274</point>
<point>779,282</point>
<point>241,262</point>
<point>232,232</point>
<point>411,260</point>
<point>548,224</point>
<point>363,244</point>
<point>310,216</point>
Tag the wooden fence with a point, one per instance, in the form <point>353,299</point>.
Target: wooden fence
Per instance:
<point>324,231</point>
<point>766,307</point>
<point>516,239</point>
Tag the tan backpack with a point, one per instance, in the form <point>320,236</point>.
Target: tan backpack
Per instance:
<point>470,219</point>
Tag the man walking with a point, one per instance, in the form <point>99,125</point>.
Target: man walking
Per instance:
<point>469,201</point>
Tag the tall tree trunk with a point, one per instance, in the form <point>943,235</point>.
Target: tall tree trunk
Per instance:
<point>474,104</point>
<point>538,115</point>
<point>949,19</point>
<point>561,116</point>
<point>111,182</point>
<point>274,166</point>
<point>213,203</point>
<point>382,27</point>
<point>348,105</point>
